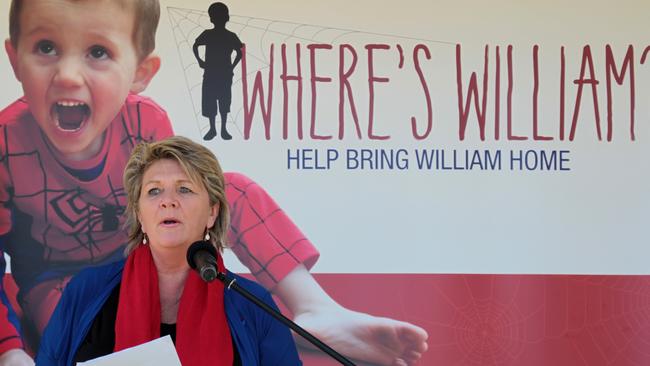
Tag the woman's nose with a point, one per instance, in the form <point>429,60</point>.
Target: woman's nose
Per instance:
<point>168,201</point>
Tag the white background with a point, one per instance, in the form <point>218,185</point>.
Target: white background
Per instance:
<point>592,219</point>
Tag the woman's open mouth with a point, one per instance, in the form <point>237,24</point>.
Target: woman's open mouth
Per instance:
<point>169,222</point>
<point>70,115</point>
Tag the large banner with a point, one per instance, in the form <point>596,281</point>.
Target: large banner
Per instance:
<point>474,170</point>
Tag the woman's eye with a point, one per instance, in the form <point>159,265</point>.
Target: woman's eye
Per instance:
<point>184,190</point>
<point>153,191</point>
<point>45,48</point>
<point>98,52</point>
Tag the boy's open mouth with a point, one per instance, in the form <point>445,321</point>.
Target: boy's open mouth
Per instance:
<point>70,115</point>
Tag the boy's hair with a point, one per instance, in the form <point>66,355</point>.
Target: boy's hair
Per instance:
<point>146,16</point>
<point>219,12</point>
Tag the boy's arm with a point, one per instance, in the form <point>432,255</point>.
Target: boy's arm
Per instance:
<point>195,48</point>
<point>237,56</point>
<point>301,293</point>
<point>237,46</point>
<point>261,234</point>
<point>9,322</point>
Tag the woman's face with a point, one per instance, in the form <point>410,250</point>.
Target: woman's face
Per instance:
<point>174,210</point>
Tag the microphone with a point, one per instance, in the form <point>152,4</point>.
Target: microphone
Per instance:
<point>201,256</point>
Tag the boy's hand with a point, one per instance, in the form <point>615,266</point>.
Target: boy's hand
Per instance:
<point>367,338</point>
<point>16,357</point>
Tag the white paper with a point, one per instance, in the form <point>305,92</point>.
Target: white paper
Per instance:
<point>159,352</point>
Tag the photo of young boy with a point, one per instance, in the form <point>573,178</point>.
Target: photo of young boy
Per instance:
<point>63,147</point>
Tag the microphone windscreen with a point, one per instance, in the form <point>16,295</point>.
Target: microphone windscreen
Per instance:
<point>196,247</point>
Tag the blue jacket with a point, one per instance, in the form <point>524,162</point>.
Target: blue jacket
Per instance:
<point>260,339</point>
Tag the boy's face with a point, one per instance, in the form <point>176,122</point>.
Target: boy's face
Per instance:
<point>77,63</point>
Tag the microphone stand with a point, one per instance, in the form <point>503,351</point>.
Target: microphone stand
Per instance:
<point>231,283</point>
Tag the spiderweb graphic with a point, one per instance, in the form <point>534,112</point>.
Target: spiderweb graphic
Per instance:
<point>258,34</point>
<point>539,320</point>
<point>471,320</point>
<point>511,320</point>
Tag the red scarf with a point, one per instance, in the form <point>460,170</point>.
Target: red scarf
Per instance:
<point>202,332</point>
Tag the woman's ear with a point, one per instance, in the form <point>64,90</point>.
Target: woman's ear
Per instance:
<point>137,217</point>
<point>214,214</point>
<point>146,70</point>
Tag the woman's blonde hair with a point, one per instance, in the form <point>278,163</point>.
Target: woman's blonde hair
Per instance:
<point>200,165</point>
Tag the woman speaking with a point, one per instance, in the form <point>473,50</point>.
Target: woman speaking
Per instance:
<point>175,193</point>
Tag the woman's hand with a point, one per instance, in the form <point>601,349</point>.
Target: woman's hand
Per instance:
<point>16,357</point>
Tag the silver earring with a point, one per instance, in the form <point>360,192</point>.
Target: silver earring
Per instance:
<point>207,236</point>
<point>144,238</point>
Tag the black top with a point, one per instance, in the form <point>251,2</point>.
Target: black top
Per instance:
<point>100,339</point>
<point>219,44</point>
